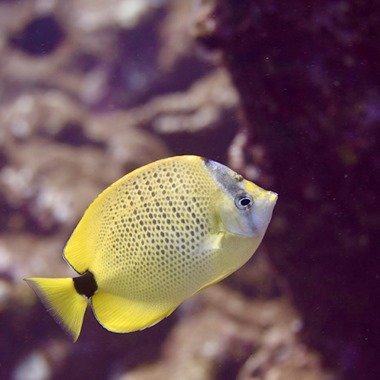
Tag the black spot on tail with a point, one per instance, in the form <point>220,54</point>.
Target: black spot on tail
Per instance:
<point>86,284</point>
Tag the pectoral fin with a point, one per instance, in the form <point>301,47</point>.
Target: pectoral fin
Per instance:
<point>213,242</point>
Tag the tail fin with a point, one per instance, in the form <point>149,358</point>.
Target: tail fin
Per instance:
<point>62,301</point>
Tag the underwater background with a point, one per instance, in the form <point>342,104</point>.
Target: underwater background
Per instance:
<point>285,93</point>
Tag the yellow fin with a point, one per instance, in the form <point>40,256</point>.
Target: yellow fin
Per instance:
<point>80,248</point>
<point>62,301</point>
<point>122,315</point>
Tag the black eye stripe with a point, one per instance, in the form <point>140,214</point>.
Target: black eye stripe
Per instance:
<point>243,201</point>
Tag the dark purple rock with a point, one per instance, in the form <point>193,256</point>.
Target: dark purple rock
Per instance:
<point>308,76</point>
<point>40,37</point>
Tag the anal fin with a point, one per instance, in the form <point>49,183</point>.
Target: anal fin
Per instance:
<point>122,315</point>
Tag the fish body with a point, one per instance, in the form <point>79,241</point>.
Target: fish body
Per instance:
<point>153,239</point>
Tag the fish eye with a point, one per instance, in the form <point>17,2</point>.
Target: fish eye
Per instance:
<point>243,201</point>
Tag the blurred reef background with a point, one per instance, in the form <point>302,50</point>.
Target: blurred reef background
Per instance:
<point>287,93</point>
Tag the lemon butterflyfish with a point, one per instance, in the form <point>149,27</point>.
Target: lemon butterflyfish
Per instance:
<point>153,239</point>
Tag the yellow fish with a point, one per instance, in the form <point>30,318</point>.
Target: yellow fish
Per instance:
<point>153,239</point>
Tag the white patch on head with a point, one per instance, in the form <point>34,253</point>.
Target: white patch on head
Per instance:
<point>250,222</point>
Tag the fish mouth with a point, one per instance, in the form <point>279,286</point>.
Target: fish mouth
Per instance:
<point>269,201</point>
<point>266,196</point>
<point>272,197</point>
<point>262,215</point>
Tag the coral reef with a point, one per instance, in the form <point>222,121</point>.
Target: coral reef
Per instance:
<point>225,336</point>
